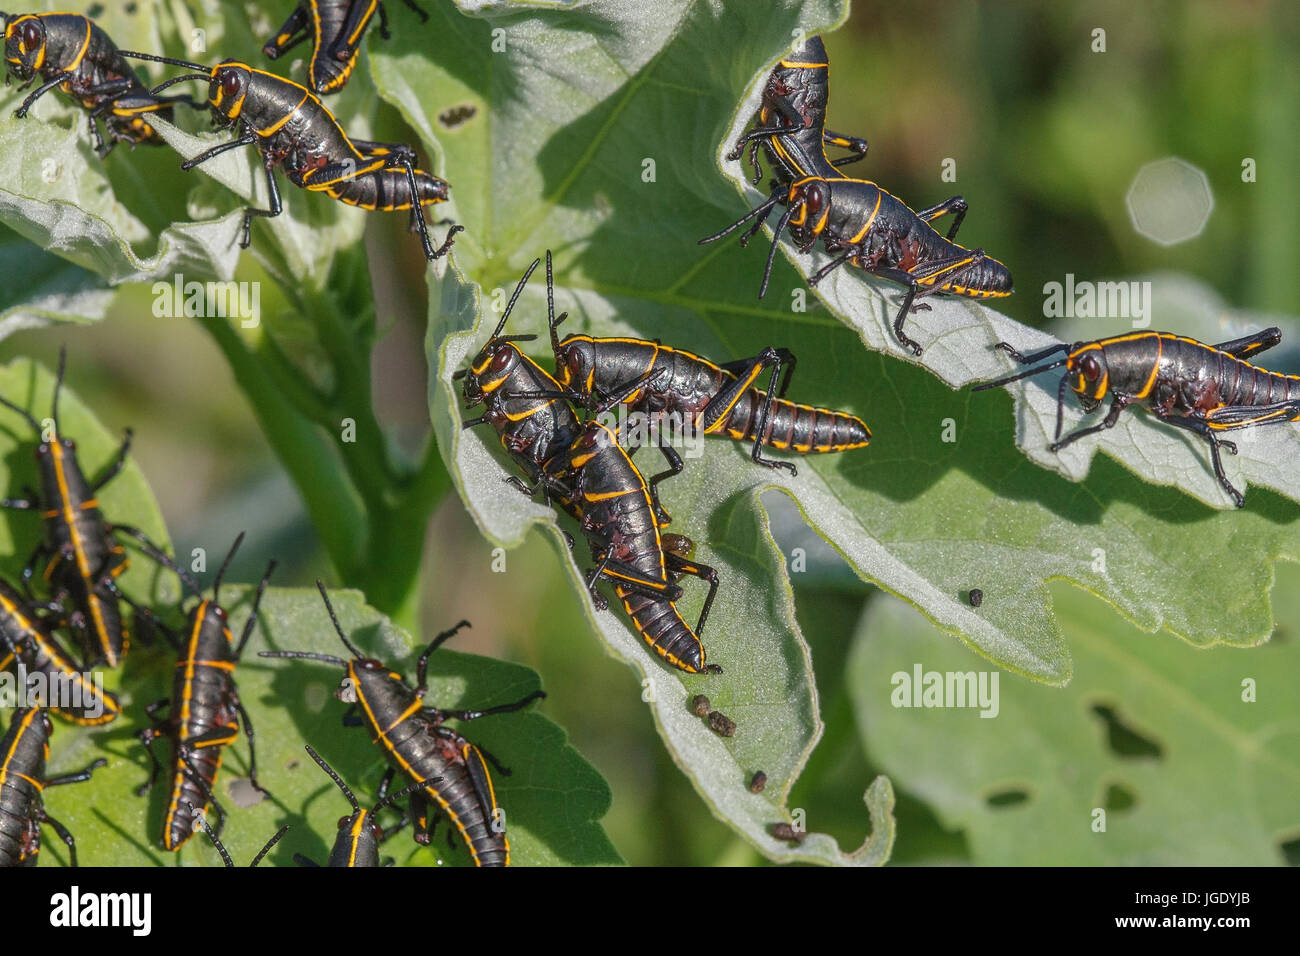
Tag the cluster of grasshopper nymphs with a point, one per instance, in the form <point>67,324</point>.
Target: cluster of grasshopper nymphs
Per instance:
<point>67,613</point>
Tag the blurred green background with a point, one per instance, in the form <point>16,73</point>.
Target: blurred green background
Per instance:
<point>1047,136</point>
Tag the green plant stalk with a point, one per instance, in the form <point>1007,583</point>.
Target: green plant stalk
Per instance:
<point>336,511</point>
<point>372,524</point>
<point>366,455</point>
<point>397,501</point>
<point>389,575</point>
<point>1277,238</point>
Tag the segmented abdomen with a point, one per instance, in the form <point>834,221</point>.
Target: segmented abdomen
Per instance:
<point>793,427</point>
<point>185,790</point>
<point>327,72</point>
<point>204,695</point>
<point>1241,383</point>
<point>662,626</point>
<point>22,775</point>
<point>19,834</point>
<point>425,755</point>
<point>388,190</point>
<point>50,659</point>
<point>899,238</point>
<point>986,279</point>
<point>456,795</point>
<point>623,525</point>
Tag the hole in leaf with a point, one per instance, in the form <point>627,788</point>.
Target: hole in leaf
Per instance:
<point>1012,797</point>
<point>1119,798</point>
<point>1291,851</point>
<point>1123,740</point>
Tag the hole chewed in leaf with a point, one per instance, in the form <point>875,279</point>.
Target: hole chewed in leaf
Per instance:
<point>1010,797</point>
<point>1123,740</point>
<point>1119,798</point>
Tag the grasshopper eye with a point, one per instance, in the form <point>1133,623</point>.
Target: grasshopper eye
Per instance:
<point>230,84</point>
<point>573,362</point>
<point>818,198</point>
<point>32,36</point>
<point>1091,368</point>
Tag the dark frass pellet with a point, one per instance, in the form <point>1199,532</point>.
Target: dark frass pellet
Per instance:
<point>976,597</point>
<point>721,724</point>
<point>784,831</point>
<point>758,782</point>
<point>455,116</point>
<point>700,705</point>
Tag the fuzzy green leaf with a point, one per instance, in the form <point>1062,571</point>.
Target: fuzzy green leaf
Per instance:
<point>553,800</point>
<point>590,91</point>
<point>135,215</point>
<point>1191,754</point>
<point>52,290</point>
<point>599,137</point>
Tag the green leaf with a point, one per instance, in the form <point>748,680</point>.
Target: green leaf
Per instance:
<point>941,501</point>
<point>553,799</point>
<point>1155,452</point>
<point>52,289</point>
<point>57,194</point>
<point>123,217</point>
<point>135,215</point>
<point>124,500</point>
<point>1158,734</point>
<point>572,102</point>
<point>959,336</point>
<point>923,517</point>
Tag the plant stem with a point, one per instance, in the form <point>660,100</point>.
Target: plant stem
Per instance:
<point>390,573</point>
<point>372,518</point>
<point>337,513</point>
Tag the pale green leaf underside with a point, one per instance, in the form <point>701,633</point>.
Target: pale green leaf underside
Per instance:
<point>1218,789</point>
<point>515,209</point>
<point>767,687</point>
<point>924,517</point>
<point>959,336</point>
<point>51,290</point>
<point>77,216</point>
<point>105,215</point>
